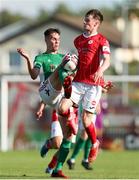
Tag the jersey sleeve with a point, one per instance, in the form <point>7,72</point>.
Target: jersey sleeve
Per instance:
<point>105,46</point>
<point>37,62</point>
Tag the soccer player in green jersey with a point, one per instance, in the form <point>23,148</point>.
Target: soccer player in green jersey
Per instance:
<point>49,61</point>
<point>51,89</point>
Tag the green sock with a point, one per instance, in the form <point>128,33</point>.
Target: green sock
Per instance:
<point>79,145</point>
<point>62,74</point>
<point>63,153</point>
<point>87,148</point>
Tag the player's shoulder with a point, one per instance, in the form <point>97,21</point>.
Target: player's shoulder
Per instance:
<point>78,39</point>
<point>41,56</point>
<point>101,36</point>
<point>102,39</point>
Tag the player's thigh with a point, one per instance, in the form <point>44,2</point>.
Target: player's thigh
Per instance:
<point>77,92</point>
<point>55,81</point>
<point>92,98</point>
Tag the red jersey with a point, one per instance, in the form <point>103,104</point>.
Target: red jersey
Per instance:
<point>90,51</point>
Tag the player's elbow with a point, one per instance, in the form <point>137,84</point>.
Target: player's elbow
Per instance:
<point>33,76</point>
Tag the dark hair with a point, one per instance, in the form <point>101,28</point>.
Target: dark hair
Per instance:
<point>50,31</point>
<point>96,14</point>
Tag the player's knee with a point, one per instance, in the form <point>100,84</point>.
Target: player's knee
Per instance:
<point>64,106</point>
<point>57,144</point>
<point>62,110</point>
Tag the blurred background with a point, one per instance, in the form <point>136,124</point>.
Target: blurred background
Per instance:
<point>22,24</point>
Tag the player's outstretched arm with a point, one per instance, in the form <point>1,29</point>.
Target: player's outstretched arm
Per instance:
<point>105,65</point>
<point>34,72</point>
<point>22,52</point>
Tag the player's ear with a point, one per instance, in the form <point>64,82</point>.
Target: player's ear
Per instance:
<point>97,23</point>
<point>46,40</point>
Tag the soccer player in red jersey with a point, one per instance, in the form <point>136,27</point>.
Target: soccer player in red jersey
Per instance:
<point>94,59</point>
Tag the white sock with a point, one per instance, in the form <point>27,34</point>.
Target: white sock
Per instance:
<point>72,160</point>
<point>85,160</point>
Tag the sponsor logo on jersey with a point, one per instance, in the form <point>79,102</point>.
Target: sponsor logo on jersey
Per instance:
<point>52,67</point>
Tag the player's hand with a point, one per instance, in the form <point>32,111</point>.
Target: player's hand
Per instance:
<point>98,75</point>
<point>107,86</point>
<point>40,110</point>
<point>65,59</point>
<point>23,53</point>
<point>39,114</point>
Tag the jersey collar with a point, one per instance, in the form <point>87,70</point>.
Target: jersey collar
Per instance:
<point>87,36</point>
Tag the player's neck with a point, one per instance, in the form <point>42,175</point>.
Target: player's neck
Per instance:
<point>89,33</point>
<point>51,51</point>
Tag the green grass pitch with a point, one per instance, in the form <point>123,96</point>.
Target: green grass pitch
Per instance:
<point>109,165</point>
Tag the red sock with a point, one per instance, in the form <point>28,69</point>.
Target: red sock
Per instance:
<point>53,162</point>
<point>91,132</point>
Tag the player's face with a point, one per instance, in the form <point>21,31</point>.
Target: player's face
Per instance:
<point>90,23</point>
<point>53,41</point>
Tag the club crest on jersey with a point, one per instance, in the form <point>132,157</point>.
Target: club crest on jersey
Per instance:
<point>90,41</point>
<point>52,67</point>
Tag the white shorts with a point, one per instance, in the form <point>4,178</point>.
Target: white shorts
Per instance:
<point>56,129</point>
<point>49,95</point>
<point>89,95</point>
